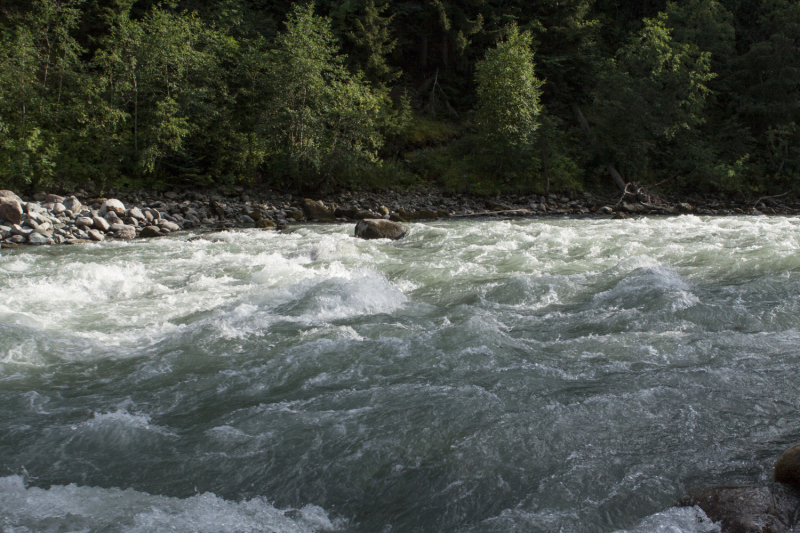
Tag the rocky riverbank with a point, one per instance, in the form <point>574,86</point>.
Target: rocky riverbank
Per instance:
<point>80,216</point>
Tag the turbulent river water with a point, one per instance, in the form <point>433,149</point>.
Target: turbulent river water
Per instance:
<point>491,376</point>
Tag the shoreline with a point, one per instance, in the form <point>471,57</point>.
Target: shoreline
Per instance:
<point>81,217</point>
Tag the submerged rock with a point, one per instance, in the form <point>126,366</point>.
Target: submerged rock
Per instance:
<point>380,229</point>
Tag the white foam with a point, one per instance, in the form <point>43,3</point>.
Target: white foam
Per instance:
<point>74,508</point>
<point>676,520</point>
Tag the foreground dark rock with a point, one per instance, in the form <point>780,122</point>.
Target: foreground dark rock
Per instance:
<point>772,508</point>
<point>747,509</point>
<point>380,229</point>
<point>787,468</point>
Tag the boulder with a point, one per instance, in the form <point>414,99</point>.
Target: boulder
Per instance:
<point>72,204</point>
<point>422,215</point>
<point>217,209</point>
<point>96,235</point>
<point>171,226</point>
<point>380,229</point>
<point>136,213</point>
<point>8,196</point>
<point>297,215</point>
<point>255,214</point>
<point>363,215</point>
<point>100,223</point>
<point>84,221</point>
<point>11,212</point>
<point>33,207</point>
<point>746,509</point>
<point>787,467</point>
<point>114,206</point>
<point>314,210</point>
<point>346,212</point>
<point>123,231</point>
<point>150,231</point>
<point>495,206</point>
<point>53,199</point>
<point>38,238</point>
<point>59,209</point>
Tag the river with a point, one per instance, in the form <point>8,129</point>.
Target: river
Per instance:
<point>553,375</point>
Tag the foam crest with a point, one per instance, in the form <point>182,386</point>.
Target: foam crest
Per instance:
<point>73,508</point>
<point>676,520</point>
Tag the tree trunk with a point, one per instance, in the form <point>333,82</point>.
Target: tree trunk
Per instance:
<point>616,176</point>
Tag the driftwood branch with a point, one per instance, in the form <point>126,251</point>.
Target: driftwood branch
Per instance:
<point>768,198</point>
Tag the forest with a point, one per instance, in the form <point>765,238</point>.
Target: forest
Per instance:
<point>477,96</point>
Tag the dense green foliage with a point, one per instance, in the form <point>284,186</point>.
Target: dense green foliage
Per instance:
<point>480,95</point>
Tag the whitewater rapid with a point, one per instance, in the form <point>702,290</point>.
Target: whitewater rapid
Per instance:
<point>538,375</point>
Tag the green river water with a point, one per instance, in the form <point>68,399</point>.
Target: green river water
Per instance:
<point>552,375</point>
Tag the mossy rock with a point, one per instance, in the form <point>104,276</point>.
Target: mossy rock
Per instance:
<point>266,224</point>
<point>314,210</point>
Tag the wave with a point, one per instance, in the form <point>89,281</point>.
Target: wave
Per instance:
<point>74,508</point>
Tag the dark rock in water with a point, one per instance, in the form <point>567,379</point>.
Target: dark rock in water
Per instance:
<point>296,215</point>
<point>747,509</point>
<point>787,467</point>
<point>150,231</point>
<point>11,212</point>
<point>316,211</point>
<point>620,216</point>
<point>265,224</point>
<point>380,229</point>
